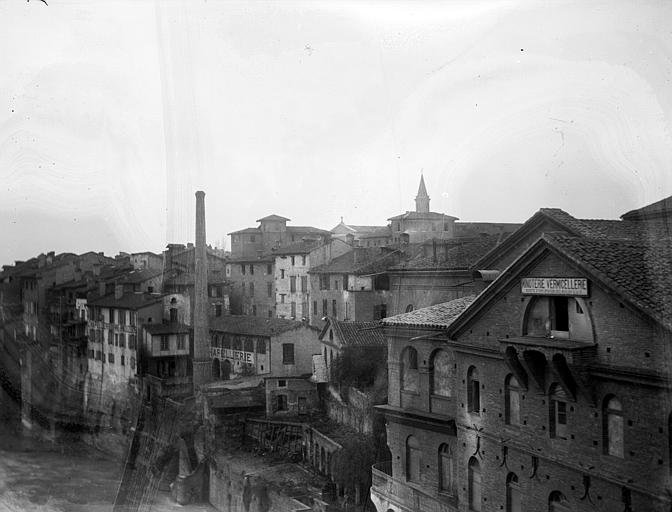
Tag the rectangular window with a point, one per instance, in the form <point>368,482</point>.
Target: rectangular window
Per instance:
<point>122,340</point>
<point>292,284</point>
<point>110,358</point>
<point>133,363</point>
<point>269,289</point>
<point>242,269</point>
<point>270,313</point>
<point>218,310</point>
<point>282,298</point>
<point>164,342</point>
<point>303,260</point>
<point>282,383</point>
<point>116,339</point>
<point>181,341</point>
<point>261,346</point>
<point>293,309</point>
<point>131,341</point>
<point>379,311</point>
<point>324,282</point>
<point>269,269</point>
<point>288,353</point>
<point>123,360</point>
<point>282,273</point>
<point>112,311</point>
<point>324,307</point>
<point>381,282</point>
<point>292,261</point>
<point>242,285</point>
<point>333,308</point>
<point>254,310</point>
<point>251,269</point>
<point>251,289</point>
<point>314,307</point>
<point>282,402</point>
<point>304,283</point>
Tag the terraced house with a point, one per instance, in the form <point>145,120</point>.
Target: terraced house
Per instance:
<point>547,391</point>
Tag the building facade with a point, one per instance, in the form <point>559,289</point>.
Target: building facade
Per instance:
<point>547,391</point>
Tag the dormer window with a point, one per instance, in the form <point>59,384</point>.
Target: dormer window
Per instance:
<point>558,317</point>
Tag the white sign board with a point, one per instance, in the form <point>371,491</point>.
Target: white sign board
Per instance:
<point>570,286</point>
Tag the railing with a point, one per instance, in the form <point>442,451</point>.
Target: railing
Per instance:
<point>410,495</point>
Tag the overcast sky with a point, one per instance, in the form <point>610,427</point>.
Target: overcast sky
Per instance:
<point>114,113</point>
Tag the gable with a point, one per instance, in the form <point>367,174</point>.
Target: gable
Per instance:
<point>502,255</point>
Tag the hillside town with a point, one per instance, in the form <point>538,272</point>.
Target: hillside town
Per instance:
<point>422,364</point>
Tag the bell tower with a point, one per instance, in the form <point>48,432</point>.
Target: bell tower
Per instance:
<point>422,199</point>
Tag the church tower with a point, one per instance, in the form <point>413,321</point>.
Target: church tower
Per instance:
<point>422,199</point>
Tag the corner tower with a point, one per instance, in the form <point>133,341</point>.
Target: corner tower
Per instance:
<point>422,199</point>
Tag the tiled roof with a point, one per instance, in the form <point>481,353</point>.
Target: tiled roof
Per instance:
<point>168,328</point>
<point>454,254</point>
<point>308,230</point>
<point>252,231</point>
<point>640,270</point>
<point>421,216</point>
<point>369,260</point>
<point>439,315</point>
<point>659,208</point>
<point>127,301</point>
<point>357,334</point>
<point>253,325</point>
<point>295,248</point>
<point>273,217</point>
<point>139,276</point>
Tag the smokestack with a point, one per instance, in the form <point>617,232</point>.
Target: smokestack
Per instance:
<point>202,364</point>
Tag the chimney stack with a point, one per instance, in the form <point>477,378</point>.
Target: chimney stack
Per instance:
<point>201,358</point>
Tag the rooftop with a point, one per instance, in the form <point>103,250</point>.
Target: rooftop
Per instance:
<point>452,254</point>
<point>167,328</point>
<point>254,325</point>
<point>422,216</point>
<point>127,301</point>
<point>273,217</point>
<point>356,334</point>
<point>362,261</point>
<point>437,316</point>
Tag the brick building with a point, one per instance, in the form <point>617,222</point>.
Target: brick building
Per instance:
<point>421,224</point>
<point>266,347</point>
<point>272,231</point>
<point>547,391</point>
<point>354,286</point>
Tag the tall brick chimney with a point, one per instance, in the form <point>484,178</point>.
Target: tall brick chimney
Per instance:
<point>202,364</point>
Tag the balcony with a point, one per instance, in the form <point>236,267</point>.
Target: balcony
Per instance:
<point>170,386</point>
<point>386,490</point>
<point>575,352</point>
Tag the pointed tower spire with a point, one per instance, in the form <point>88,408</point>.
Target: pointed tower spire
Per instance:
<point>422,199</point>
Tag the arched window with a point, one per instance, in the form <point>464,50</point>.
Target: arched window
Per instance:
<point>512,494</point>
<point>215,340</point>
<point>557,502</point>
<point>409,369</point>
<point>440,373</point>
<point>557,404</point>
<point>413,459</point>
<point>445,469</point>
<point>473,391</point>
<point>475,490</point>
<point>409,308</point>
<point>512,404</point>
<point>612,426</point>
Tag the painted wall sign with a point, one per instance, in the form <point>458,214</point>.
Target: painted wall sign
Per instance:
<point>236,355</point>
<point>571,286</point>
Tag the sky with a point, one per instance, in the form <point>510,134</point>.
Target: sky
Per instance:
<point>113,113</point>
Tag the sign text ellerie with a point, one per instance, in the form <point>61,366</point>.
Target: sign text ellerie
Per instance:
<point>571,286</point>
<point>236,355</point>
